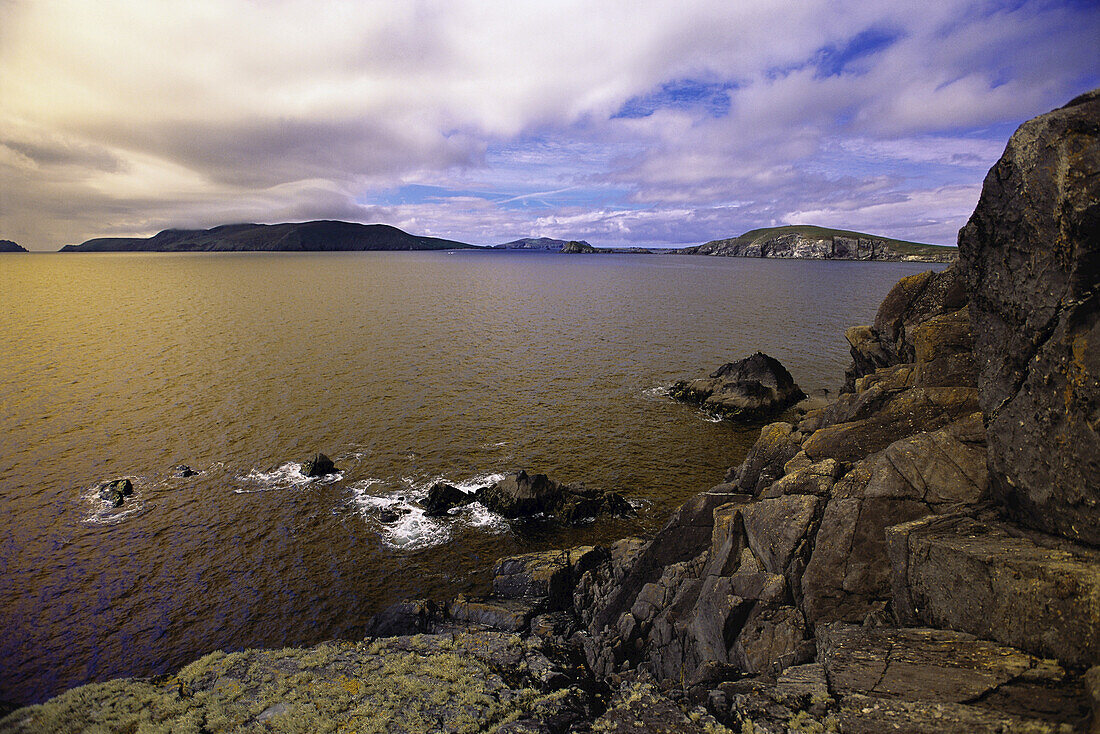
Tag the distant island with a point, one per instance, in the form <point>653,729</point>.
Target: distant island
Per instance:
<point>548,244</point>
<point>794,242</point>
<point>807,242</point>
<point>319,236</point>
<point>9,246</point>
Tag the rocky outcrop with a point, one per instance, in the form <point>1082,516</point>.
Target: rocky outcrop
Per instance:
<point>115,492</point>
<point>1031,252</point>
<point>523,495</point>
<point>443,497</point>
<point>752,389</point>
<point>318,465</point>
<point>819,243</point>
<point>573,247</point>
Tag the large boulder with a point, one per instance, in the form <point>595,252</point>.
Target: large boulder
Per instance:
<point>115,492</point>
<point>1031,253</point>
<point>752,389</point>
<point>443,497</point>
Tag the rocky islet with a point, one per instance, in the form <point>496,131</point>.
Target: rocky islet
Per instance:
<point>920,555</point>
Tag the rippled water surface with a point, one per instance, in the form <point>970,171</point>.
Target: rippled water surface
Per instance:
<point>405,368</point>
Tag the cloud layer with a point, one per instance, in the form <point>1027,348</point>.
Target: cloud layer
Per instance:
<point>618,122</point>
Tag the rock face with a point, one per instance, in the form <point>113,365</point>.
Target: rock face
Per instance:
<point>1031,251</point>
<point>818,243</point>
<point>523,495</point>
<point>318,465</point>
<point>752,389</point>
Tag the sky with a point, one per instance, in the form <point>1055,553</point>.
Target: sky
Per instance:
<point>620,123</point>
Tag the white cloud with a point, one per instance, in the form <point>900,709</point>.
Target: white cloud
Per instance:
<point>125,116</point>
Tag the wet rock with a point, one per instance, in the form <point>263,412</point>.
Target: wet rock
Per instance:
<point>443,497</point>
<point>115,492</point>
<point>391,515</point>
<point>1034,592</point>
<point>752,389</point>
<point>523,495</point>
<point>404,618</point>
<point>182,471</point>
<point>318,465</point>
<point>1031,251</point>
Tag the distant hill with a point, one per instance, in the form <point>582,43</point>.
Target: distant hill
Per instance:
<point>537,243</point>
<point>805,241</point>
<point>9,246</point>
<point>320,236</point>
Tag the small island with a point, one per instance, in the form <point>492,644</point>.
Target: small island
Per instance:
<point>9,246</point>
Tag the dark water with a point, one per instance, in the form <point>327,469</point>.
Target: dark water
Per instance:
<point>406,368</point>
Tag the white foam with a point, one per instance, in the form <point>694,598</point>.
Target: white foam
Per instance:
<point>285,477</point>
<point>414,530</point>
<point>104,513</point>
<point>710,417</point>
<point>656,393</point>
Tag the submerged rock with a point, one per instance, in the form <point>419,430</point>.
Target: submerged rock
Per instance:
<point>318,466</point>
<point>116,491</point>
<point>752,389</point>
<point>182,471</point>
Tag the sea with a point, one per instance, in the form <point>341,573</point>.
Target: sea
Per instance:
<point>406,368</point>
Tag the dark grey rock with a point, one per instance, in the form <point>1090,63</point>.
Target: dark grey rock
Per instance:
<point>182,471</point>
<point>443,497</point>
<point>752,389</point>
<point>318,465</point>
<point>1037,593</point>
<point>116,491</point>
<point>522,495</point>
<point>1031,252</point>
<point>777,444</point>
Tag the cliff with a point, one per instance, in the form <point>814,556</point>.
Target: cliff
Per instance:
<point>819,243</point>
<point>919,555</point>
<point>9,246</point>
<point>320,236</point>
<point>536,243</point>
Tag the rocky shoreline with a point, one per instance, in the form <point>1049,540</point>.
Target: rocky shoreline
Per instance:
<point>920,555</point>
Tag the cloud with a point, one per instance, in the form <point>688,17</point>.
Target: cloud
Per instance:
<point>620,122</point>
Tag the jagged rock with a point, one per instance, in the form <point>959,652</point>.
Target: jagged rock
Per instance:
<point>443,497</point>
<point>939,669</point>
<point>318,465</point>
<point>752,389</point>
<point>523,495</point>
<point>1031,251</point>
<point>115,492</point>
<point>549,575</point>
<point>771,640</point>
<point>777,528</point>
<point>1034,592</point>
<point>910,411</point>
<point>778,443</point>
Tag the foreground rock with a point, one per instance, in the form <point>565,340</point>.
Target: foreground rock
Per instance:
<point>523,495</point>
<point>116,492</point>
<point>318,465</point>
<point>466,682</point>
<point>753,389</point>
<point>1032,256</point>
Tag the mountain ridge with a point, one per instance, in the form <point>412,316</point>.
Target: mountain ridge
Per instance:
<point>313,236</point>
